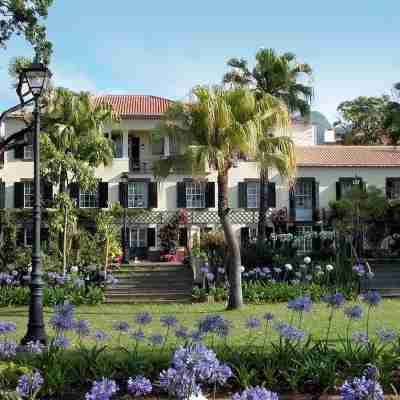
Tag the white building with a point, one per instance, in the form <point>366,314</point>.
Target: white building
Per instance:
<point>324,174</point>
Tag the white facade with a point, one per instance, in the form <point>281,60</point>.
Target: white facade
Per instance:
<point>136,157</point>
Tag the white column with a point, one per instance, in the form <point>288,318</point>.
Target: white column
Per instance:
<point>125,144</point>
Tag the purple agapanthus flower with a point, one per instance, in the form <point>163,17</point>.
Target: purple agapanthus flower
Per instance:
<point>100,336</point>
<point>7,327</point>
<point>359,269</point>
<point>182,332</point>
<point>168,320</point>
<point>29,384</point>
<point>143,318</point>
<point>371,298</point>
<point>386,335</point>
<point>354,312</point>
<point>268,316</point>
<point>360,338</point>
<point>196,336</point>
<point>253,323</point>
<point>82,327</point>
<point>121,326</point>
<point>301,304</point>
<point>139,386</point>
<point>61,342</point>
<point>138,335</point>
<point>102,390</point>
<point>214,324</point>
<point>63,317</point>
<point>8,349</point>
<point>156,339</point>
<point>255,393</point>
<point>361,389</point>
<point>334,300</point>
<point>34,347</point>
<point>289,332</point>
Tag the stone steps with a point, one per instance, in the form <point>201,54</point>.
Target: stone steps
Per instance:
<point>151,283</point>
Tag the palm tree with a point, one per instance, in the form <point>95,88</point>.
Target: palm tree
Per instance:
<point>73,144</point>
<point>279,76</point>
<point>217,127</point>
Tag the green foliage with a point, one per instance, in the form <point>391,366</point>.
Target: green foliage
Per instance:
<point>10,373</point>
<point>9,237</point>
<point>23,17</point>
<point>363,120</point>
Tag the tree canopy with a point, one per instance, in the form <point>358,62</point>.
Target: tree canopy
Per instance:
<point>392,120</point>
<point>362,120</point>
<point>25,17</point>
<point>278,75</point>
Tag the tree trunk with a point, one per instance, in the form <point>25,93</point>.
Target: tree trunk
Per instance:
<point>62,189</point>
<point>262,218</point>
<point>65,241</point>
<point>235,300</point>
<point>106,258</point>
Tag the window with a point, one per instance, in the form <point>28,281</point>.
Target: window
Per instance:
<point>87,199</point>
<point>28,236</point>
<point>253,194</point>
<point>137,194</point>
<point>28,152</point>
<point>157,147</point>
<point>28,194</point>
<point>393,189</point>
<point>347,185</point>
<point>116,138</point>
<point>173,145</point>
<point>303,195</point>
<point>195,196</point>
<point>138,237</point>
<point>304,238</point>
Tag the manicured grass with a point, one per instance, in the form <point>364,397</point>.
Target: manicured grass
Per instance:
<point>103,317</point>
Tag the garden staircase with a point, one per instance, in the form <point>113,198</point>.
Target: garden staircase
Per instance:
<point>387,277</point>
<point>147,282</point>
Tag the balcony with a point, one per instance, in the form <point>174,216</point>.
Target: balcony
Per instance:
<point>140,167</point>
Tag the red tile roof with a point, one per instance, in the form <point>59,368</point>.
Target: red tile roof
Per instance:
<point>348,156</point>
<point>135,106</point>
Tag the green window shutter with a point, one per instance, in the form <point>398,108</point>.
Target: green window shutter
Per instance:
<point>19,194</point>
<point>151,237</point>
<point>271,196</point>
<point>181,194</point>
<point>19,152</point>
<point>292,203</point>
<point>74,192</point>
<point>2,195</point>
<point>210,194</point>
<point>389,187</point>
<point>123,193</point>
<point>152,195</point>
<point>103,194</point>
<point>338,190</point>
<point>244,236</point>
<point>20,239</point>
<point>242,187</point>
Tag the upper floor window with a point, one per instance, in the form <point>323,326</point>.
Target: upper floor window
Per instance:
<point>195,195</point>
<point>304,194</point>
<point>28,152</point>
<point>87,199</point>
<point>116,138</point>
<point>137,194</point>
<point>173,145</point>
<point>28,194</point>
<point>393,188</point>
<point>253,194</point>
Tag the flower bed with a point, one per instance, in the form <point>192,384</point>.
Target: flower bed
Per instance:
<point>276,354</point>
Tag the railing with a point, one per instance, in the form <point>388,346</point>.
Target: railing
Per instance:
<point>140,167</point>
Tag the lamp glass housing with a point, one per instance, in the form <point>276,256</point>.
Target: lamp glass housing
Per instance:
<point>37,76</point>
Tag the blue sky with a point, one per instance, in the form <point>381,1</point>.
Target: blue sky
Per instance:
<point>164,48</point>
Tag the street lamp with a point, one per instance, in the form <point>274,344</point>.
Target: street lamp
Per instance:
<point>36,77</point>
<point>125,238</point>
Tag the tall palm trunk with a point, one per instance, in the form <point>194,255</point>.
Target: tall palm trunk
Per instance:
<point>235,300</point>
<point>262,218</point>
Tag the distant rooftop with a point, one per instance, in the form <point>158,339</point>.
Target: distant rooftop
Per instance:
<point>135,106</point>
<point>348,156</point>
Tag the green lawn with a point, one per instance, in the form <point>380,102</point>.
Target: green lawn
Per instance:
<point>103,317</point>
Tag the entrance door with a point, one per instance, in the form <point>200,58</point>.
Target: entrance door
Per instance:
<point>134,153</point>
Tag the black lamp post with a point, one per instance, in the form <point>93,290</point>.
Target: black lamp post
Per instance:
<point>125,237</point>
<point>36,78</point>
